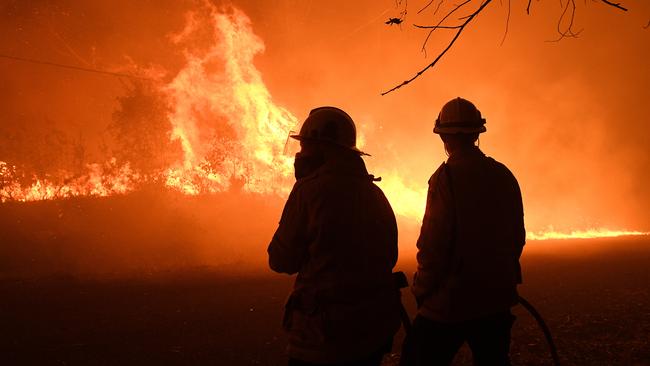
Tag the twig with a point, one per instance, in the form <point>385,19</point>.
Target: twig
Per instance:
<point>424,44</point>
<point>451,43</point>
<point>429,4</point>
<point>616,5</point>
<point>438,7</point>
<point>528,7</point>
<point>426,6</point>
<point>568,32</point>
<point>507,25</point>
<point>437,26</point>
<point>647,25</point>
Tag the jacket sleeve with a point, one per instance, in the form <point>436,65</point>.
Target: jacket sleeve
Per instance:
<point>288,247</point>
<point>520,233</point>
<point>392,234</point>
<point>435,241</point>
<point>390,226</point>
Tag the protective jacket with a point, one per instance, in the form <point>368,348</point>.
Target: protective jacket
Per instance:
<point>339,233</point>
<point>471,239</point>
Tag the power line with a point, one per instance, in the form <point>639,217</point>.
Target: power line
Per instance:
<point>72,67</point>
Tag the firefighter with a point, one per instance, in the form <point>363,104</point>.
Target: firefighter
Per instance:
<point>338,233</point>
<point>470,242</point>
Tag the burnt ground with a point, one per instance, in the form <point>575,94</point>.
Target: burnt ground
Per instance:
<point>595,299</point>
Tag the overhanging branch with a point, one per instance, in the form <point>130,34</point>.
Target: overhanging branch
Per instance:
<point>565,26</point>
<point>451,43</point>
<point>616,5</point>
<point>437,26</point>
<point>424,44</point>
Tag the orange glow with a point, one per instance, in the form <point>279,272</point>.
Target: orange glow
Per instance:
<point>232,131</point>
<point>407,201</point>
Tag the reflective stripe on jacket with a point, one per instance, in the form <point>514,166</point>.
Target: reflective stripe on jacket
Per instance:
<point>339,233</point>
<point>471,239</point>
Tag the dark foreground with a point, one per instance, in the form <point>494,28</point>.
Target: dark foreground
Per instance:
<point>595,299</point>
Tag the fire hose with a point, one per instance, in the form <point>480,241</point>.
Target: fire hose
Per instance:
<point>401,282</point>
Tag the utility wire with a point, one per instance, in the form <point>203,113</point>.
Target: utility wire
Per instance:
<point>72,67</point>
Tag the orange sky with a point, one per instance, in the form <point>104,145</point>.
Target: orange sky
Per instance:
<point>568,118</point>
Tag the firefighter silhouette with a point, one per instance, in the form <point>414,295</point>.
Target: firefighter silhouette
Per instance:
<point>470,242</point>
<point>339,234</point>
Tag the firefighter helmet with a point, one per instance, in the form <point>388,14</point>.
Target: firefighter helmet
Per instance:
<point>459,116</point>
<point>332,125</point>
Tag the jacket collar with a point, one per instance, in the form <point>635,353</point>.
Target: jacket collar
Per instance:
<point>349,165</point>
<point>462,155</point>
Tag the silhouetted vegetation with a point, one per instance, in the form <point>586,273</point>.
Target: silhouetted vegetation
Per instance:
<point>142,130</point>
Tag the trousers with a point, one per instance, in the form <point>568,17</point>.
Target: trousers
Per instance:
<point>432,343</point>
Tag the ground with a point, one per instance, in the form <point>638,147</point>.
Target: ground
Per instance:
<point>594,297</point>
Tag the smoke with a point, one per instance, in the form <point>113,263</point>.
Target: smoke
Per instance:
<point>567,118</point>
<point>151,231</point>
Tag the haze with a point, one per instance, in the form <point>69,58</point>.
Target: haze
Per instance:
<point>569,118</point>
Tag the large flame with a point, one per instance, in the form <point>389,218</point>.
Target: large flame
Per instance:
<point>231,132</point>
<point>204,99</point>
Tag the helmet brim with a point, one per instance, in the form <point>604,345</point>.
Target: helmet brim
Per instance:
<point>454,130</point>
<point>354,148</point>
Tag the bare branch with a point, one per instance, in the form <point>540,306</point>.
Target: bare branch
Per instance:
<point>438,7</point>
<point>429,4</point>
<point>565,25</point>
<point>424,44</point>
<point>451,43</point>
<point>437,26</point>
<point>616,5</point>
<point>507,25</point>
<point>426,6</point>
<point>568,32</point>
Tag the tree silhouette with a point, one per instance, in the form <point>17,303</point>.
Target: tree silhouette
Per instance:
<point>141,129</point>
